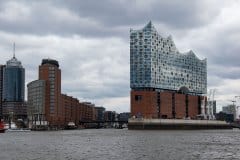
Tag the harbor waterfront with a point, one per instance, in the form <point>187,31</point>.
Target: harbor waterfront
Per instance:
<point>102,144</point>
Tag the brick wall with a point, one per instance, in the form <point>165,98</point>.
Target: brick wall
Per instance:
<point>192,106</point>
<point>144,104</point>
<point>166,105</point>
<point>180,105</point>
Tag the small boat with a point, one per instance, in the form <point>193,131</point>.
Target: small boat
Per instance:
<point>2,129</point>
<point>71,125</point>
<point>18,130</point>
<point>13,128</point>
<point>12,125</point>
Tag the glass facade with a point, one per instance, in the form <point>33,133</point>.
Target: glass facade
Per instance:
<point>36,97</point>
<point>13,81</point>
<point>155,63</point>
<point>36,101</point>
<point>1,88</point>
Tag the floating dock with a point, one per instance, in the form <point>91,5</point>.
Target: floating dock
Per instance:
<point>175,124</point>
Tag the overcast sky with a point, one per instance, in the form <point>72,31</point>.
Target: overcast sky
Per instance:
<point>90,39</point>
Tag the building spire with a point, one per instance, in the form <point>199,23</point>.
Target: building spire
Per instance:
<point>13,49</point>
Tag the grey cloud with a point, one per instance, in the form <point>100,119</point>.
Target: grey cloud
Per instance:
<point>176,14</point>
<point>101,19</point>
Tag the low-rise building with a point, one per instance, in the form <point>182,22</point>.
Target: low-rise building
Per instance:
<point>124,116</point>
<point>230,109</point>
<point>100,113</point>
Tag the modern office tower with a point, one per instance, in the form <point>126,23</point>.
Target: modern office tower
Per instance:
<point>164,82</point>
<point>36,102</point>
<point>1,89</point>
<point>13,89</point>
<point>50,72</point>
<point>13,81</point>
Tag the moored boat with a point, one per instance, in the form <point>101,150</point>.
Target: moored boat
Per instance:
<point>12,127</point>
<point>2,129</point>
<point>71,125</point>
<point>18,130</point>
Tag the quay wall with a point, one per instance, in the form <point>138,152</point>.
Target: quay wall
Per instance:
<point>175,124</point>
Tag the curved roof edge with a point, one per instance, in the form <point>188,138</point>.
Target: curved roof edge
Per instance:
<point>189,53</point>
<point>35,81</point>
<point>50,61</point>
<point>192,54</point>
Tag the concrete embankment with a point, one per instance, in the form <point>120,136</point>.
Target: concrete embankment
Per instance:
<point>175,124</point>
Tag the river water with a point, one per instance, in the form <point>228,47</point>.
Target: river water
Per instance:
<point>120,144</point>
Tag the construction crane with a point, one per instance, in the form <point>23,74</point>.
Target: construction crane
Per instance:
<point>237,114</point>
<point>211,96</point>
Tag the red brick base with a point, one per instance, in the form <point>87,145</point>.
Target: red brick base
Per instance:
<point>153,104</point>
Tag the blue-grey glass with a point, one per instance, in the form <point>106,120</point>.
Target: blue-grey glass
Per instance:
<point>13,81</point>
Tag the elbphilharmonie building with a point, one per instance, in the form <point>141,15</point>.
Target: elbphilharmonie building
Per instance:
<point>164,82</point>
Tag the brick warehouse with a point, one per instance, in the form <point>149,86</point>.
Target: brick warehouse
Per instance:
<point>153,104</point>
<point>164,82</point>
<point>47,104</point>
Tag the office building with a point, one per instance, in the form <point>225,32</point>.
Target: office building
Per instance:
<point>13,90</point>
<point>48,106</point>
<point>1,89</point>
<point>100,113</point>
<point>36,101</point>
<point>124,116</point>
<point>164,82</point>
<point>13,81</point>
<point>71,109</point>
<point>230,109</point>
<point>49,72</point>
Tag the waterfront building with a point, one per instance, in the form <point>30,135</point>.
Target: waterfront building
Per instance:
<point>1,89</point>
<point>164,82</point>
<point>71,109</point>
<point>87,112</point>
<point>110,116</point>
<point>124,116</point>
<point>14,110</point>
<point>13,81</point>
<point>222,116</point>
<point>230,109</point>
<point>48,106</point>
<point>36,102</point>
<point>100,113</point>
<point>50,72</point>
<point>13,90</point>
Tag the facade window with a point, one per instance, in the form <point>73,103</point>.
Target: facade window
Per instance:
<point>138,97</point>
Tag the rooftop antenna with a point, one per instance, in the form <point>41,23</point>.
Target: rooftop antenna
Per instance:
<point>13,49</point>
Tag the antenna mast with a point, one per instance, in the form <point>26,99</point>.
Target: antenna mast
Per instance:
<point>14,50</point>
